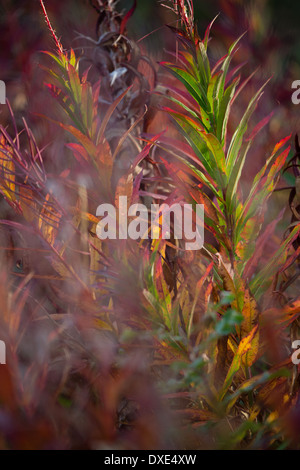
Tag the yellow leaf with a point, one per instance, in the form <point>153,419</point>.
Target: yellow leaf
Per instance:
<point>244,303</point>
<point>124,188</point>
<point>103,325</point>
<point>60,268</point>
<point>95,256</point>
<point>49,221</point>
<point>7,171</point>
<point>27,203</point>
<point>240,357</point>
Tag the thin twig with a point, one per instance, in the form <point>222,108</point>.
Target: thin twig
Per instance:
<point>58,44</point>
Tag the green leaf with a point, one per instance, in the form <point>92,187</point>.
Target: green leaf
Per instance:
<point>234,179</point>
<point>237,139</point>
<point>194,88</point>
<point>225,67</point>
<point>75,84</point>
<point>224,110</point>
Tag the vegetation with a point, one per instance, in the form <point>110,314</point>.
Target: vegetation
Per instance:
<point>139,344</point>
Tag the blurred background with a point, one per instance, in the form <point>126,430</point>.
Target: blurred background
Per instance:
<point>272,38</point>
<point>272,42</point>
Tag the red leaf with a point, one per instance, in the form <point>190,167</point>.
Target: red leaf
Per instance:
<point>127,16</point>
<point>260,126</point>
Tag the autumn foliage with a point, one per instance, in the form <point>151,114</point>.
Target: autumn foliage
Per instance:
<point>139,344</point>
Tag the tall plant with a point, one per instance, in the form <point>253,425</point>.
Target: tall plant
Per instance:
<point>235,289</point>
